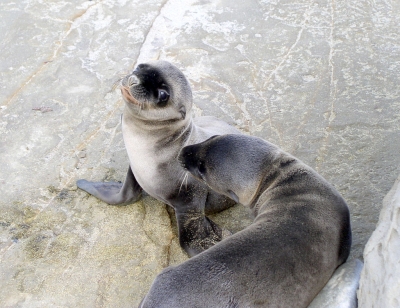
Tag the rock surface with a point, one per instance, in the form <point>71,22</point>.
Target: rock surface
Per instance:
<point>318,78</point>
<point>380,277</point>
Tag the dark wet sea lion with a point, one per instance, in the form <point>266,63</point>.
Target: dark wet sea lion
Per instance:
<point>301,232</point>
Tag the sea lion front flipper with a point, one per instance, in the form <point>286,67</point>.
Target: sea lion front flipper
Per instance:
<point>197,232</point>
<point>114,192</point>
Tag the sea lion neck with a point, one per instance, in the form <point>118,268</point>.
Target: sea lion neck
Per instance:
<point>156,130</point>
<point>271,176</point>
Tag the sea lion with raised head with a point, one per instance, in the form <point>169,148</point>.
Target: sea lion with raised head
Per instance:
<point>156,123</point>
<point>301,232</point>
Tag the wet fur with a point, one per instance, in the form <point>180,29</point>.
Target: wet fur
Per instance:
<point>300,235</point>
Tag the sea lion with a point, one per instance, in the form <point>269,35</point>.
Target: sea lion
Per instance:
<point>301,232</point>
<point>156,123</point>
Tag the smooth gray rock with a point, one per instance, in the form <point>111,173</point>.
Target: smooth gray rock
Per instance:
<point>380,277</point>
<point>318,78</point>
<point>341,289</point>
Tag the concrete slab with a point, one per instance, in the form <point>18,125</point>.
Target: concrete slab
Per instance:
<point>318,78</point>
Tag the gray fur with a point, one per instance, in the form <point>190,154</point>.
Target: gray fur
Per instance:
<point>300,235</point>
<point>154,132</point>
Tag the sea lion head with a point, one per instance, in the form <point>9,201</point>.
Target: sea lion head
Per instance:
<point>232,165</point>
<point>157,91</point>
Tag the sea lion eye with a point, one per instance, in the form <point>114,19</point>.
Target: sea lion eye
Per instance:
<point>201,167</point>
<point>163,96</point>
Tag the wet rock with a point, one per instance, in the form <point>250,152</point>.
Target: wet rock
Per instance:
<point>320,79</point>
<point>380,283</point>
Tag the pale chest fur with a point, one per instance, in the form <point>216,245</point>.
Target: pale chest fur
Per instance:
<point>155,167</point>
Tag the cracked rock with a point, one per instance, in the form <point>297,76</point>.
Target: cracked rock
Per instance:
<point>319,79</point>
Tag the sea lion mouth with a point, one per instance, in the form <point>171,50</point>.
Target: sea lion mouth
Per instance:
<point>128,97</point>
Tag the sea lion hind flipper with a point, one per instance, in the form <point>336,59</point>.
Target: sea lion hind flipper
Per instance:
<point>114,193</point>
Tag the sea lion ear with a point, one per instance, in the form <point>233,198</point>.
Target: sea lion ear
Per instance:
<point>233,196</point>
<point>212,137</point>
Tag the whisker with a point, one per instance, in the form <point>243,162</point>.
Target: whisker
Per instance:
<point>183,181</point>
<point>182,175</point>
<point>141,107</point>
<point>118,83</point>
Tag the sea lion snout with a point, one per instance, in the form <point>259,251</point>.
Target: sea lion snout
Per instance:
<point>190,162</point>
<point>133,80</point>
<point>128,97</point>
<point>130,80</point>
<point>186,158</point>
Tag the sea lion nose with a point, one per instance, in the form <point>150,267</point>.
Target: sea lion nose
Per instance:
<point>133,80</point>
